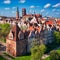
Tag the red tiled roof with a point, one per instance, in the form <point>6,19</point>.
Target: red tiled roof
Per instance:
<point>58,22</point>
<point>49,22</point>
<point>31,28</point>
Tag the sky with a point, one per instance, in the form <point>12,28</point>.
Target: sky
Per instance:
<point>49,8</point>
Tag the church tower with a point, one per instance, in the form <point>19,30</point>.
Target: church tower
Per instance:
<point>17,14</point>
<point>15,42</point>
<point>23,12</point>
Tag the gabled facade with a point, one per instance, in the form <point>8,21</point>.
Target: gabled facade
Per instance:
<point>15,43</point>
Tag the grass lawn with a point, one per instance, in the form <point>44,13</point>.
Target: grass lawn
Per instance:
<point>58,50</point>
<point>23,58</point>
<point>48,58</point>
<point>1,58</point>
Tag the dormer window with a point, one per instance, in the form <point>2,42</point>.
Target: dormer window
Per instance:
<point>10,35</point>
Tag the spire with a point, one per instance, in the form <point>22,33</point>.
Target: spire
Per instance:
<point>17,10</point>
<point>17,13</point>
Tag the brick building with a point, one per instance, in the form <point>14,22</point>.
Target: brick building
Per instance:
<point>15,42</point>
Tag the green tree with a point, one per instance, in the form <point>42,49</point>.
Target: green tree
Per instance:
<point>37,51</point>
<point>54,55</point>
<point>57,37</point>
<point>5,28</point>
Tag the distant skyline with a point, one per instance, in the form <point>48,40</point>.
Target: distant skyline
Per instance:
<point>44,7</point>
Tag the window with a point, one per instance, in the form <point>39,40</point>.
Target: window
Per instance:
<point>10,35</point>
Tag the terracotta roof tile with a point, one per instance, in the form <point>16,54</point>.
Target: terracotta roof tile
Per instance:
<point>58,22</point>
<point>49,22</point>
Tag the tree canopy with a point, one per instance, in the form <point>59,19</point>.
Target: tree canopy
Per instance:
<point>57,37</point>
<point>4,30</point>
<point>54,55</point>
<point>37,51</point>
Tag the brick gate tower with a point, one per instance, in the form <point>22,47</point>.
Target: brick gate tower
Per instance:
<point>15,42</point>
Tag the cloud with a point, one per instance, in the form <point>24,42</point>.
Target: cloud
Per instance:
<point>7,2</point>
<point>13,11</point>
<point>47,5</point>
<point>56,5</point>
<point>54,10</point>
<point>22,1</point>
<point>7,8</point>
<point>13,7</point>
<point>42,10</point>
<point>32,6</point>
<point>31,11</point>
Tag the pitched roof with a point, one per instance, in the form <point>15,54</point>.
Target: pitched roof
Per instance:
<point>49,22</point>
<point>58,22</point>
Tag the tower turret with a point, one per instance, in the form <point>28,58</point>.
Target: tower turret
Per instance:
<point>23,12</point>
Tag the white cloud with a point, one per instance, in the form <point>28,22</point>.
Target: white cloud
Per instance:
<point>42,10</point>
<point>13,7</point>
<point>7,8</point>
<point>47,5</point>
<point>54,10</point>
<point>32,6</point>
<point>31,11</point>
<point>56,5</point>
<point>7,2</point>
<point>22,1</point>
<point>13,11</point>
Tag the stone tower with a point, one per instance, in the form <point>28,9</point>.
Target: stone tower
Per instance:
<point>15,42</point>
<point>17,14</point>
<point>23,12</point>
